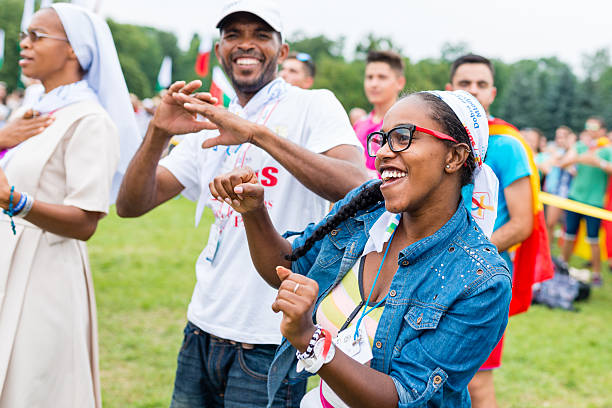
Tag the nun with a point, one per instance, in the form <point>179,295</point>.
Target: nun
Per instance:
<point>54,188</point>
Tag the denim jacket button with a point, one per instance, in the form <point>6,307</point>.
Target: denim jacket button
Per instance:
<point>479,272</point>
<point>378,344</point>
<point>437,380</point>
<point>333,233</point>
<point>392,293</point>
<point>405,263</point>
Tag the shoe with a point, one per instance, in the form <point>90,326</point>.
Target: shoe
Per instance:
<point>596,280</point>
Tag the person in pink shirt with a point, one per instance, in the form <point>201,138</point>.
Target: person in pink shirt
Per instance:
<point>383,82</point>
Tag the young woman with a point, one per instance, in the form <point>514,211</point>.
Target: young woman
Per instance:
<point>54,187</point>
<point>399,274</point>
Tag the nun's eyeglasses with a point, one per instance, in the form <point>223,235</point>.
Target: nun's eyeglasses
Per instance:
<point>36,35</point>
<point>400,138</point>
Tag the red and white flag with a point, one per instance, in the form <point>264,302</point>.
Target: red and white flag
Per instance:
<point>202,63</point>
<point>221,88</point>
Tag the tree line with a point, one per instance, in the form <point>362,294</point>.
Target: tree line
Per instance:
<point>543,93</point>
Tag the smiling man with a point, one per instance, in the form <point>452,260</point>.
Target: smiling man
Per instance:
<point>309,155</point>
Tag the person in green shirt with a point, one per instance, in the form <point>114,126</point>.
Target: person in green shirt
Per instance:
<point>593,160</point>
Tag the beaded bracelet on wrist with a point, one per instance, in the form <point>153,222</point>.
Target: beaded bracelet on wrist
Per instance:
<point>310,349</point>
<point>10,211</point>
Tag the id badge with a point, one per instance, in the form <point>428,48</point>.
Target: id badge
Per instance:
<point>214,238</point>
<point>358,349</point>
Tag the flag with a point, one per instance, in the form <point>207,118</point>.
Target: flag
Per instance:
<point>221,88</point>
<point>164,78</point>
<point>1,47</point>
<point>28,11</point>
<point>203,59</point>
<point>532,261</point>
<point>46,3</point>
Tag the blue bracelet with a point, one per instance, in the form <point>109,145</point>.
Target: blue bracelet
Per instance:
<point>10,212</point>
<point>20,204</point>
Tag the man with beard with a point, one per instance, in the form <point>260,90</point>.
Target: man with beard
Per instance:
<point>307,155</point>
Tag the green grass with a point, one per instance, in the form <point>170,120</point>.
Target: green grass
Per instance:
<point>144,275</point>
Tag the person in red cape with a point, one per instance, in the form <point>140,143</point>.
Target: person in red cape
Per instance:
<point>520,230</point>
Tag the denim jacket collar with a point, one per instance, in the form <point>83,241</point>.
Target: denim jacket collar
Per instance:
<point>422,247</point>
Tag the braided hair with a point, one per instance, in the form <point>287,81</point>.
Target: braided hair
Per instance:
<point>371,195</point>
<point>366,198</point>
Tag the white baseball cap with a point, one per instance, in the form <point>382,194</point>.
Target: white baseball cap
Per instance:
<point>267,10</point>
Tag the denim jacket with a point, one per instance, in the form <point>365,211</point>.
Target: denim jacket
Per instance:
<point>447,306</point>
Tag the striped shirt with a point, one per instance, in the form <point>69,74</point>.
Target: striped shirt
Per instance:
<point>345,302</point>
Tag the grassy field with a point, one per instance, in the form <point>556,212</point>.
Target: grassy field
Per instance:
<point>144,275</point>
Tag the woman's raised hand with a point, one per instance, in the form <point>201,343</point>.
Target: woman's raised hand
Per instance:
<point>173,119</point>
<point>296,298</point>
<point>240,189</point>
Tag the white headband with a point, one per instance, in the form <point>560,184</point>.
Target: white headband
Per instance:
<point>486,185</point>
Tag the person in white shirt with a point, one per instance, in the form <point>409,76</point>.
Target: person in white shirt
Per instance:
<point>302,146</point>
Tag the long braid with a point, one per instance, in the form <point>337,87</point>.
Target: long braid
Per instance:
<point>364,199</point>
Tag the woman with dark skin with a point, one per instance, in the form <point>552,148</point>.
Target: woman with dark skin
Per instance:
<point>423,171</point>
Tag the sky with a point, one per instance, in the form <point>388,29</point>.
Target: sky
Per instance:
<point>510,30</point>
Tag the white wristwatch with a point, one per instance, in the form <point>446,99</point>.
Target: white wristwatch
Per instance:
<point>314,363</point>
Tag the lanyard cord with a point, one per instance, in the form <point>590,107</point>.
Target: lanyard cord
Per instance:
<point>365,311</point>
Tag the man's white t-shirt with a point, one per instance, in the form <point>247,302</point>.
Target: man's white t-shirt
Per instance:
<point>230,299</point>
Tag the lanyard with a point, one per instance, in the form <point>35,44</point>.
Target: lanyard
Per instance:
<point>365,311</point>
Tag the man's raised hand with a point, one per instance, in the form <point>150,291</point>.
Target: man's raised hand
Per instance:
<point>233,130</point>
<point>171,117</point>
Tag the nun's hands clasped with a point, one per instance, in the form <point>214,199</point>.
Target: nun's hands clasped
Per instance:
<point>240,189</point>
<point>171,118</point>
<point>233,130</point>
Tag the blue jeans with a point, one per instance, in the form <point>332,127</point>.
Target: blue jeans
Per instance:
<point>572,221</point>
<point>213,372</point>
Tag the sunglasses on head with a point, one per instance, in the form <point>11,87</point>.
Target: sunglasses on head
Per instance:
<point>302,56</point>
<point>36,35</point>
<point>400,138</point>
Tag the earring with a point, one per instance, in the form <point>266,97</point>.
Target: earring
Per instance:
<point>448,166</point>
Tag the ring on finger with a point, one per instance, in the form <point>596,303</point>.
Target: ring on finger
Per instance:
<point>297,285</point>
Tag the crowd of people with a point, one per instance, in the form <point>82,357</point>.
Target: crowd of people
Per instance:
<point>576,168</point>
<point>397,296</point>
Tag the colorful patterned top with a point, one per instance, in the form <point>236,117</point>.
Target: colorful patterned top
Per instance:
<point>345,302</point>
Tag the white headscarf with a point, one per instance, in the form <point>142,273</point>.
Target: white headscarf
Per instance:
<point>93,45</point>
<point>486,185</point>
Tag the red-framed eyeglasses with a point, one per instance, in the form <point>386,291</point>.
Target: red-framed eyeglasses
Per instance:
<point>400,138</point>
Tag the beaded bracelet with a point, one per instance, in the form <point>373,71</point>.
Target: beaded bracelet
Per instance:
<point>311,344</point>
<point>10,212</point>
